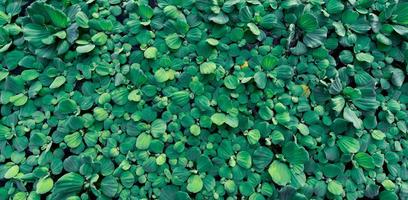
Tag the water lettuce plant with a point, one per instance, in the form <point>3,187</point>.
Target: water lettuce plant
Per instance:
<point>203,99</point>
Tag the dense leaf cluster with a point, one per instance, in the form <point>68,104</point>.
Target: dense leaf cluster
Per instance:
<point>203,99</point>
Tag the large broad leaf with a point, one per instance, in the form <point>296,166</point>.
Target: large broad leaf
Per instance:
<point>40,11</point>
<point>158,126</point>
<point>194,184</point>
<point>364,160</point>
<point>244,159</point>
<point>398,77</point>
<point>350,116</point>
<point>280,173</point>
<point>57,17</point>
<point>335,188</point>
<point>221,18</point>
<point>366,104</point>
<point>44,185</point>
<point>402,30</point>
<point>308,22</point>
<point>173,41</point>
<point>262,157</point>
<point>218,118</point>
<point>35,33</point>
<point>295,154</point>
<point>260,79</point>
<point>401,14</point>
<point>348,144</point>
<point>334,6</point>
<point>69,184</point>
<point>315,38</point>
<point>109,186</point>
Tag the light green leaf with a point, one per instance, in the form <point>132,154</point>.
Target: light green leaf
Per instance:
<point>253,28</point>
<point>364,160</point>
<point>85,48</point>
<point>58,81</point>
<point>350,116</point>
<point>280,173</point>
<point>150,53</point>
<point>12,172</point>
<point>207,68</point>
<point>173,41</point>
<point>260,79</point>
<point>244,159</point>
<point>335,188</point>
<point>44,185</point>
<point>348,144</point>
<point>194,184</point>
<point>365,57</point>
<point>218,118</point>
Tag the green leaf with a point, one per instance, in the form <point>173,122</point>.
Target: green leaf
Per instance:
<point>207,68</point>
<point>44,185</point>
<point>161,75</point>
<point>82,20</point>
<point>315,38</point>
<point>57,17</point>
<point>99,38</point>
<point>150,53</point>
<point>231,82</point>
<point>232,121</point>
<point>173,41</point>
<point>366,104</point>
<point>280,173</point>
<point>145,11</point>
<point>220,18</point>
<point>308,22</point>
<point>143,141</point>
<point>180,98</point>
<point>339,28</point>
<point>100,114</point>
<point>253,136</point>
<point>401,13</point>
<point>295,154</point>
<point>85,48</point>
<point>364,160</point>
<point>58,82</point>
<point>365,57</point>
<point>4,74</point>
<point>12,172</point>
<point>195,130</point>
<point>66,106</point>
<point>334,6</point>
<point>68,185</point>
<point>194,184</point>
<point>244,159</point>
<point>18,100</point>
<point>109,186</point>
<point>29,75</point>
<point>402,30</point>
<point>378,135</point>
<point>73,140</point>
<point>218,118</point>
<point>253,28</point>
<point>35,33</point>
<point>158,127</point>
<point>262,157</point>
<point>398,77</point>
<point>260,79</point>
<point>348,144</point>
<point>335,188</point>
<point>350,116</point>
